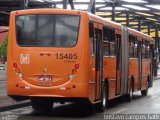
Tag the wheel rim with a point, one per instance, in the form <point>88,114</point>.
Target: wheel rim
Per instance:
<point>147,88</point>
<point>104,98</point>
<point>131,92</point>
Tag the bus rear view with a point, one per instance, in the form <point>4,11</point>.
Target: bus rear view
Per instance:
<point>44,57</point>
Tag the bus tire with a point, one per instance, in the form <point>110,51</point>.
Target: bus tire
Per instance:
<point>129,96</point>
<point>101,106</point>
<point>145,92</point>
<point>42,104</point>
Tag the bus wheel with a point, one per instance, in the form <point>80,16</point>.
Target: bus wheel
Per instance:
<point>129,96</point>
<point>42,104</point>
<point>101,106</point>
<point>145,92</point>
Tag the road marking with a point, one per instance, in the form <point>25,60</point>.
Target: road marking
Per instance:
<point>120,111</point>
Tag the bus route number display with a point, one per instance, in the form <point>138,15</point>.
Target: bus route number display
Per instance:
<point>69,56</point>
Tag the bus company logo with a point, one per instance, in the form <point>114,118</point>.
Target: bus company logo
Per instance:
<point>45,70</point>
<point>24,59</point>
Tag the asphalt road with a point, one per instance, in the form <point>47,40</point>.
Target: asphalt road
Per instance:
<point>140,105</point>
<point>2,75</point>
<point>2,83</point>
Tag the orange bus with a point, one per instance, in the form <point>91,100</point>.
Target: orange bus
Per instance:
<point>57,55</point>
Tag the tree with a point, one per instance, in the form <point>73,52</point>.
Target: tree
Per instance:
<point>3,49</point>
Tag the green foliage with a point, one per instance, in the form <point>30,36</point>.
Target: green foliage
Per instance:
<point>3,48</point>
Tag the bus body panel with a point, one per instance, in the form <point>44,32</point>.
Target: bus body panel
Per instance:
<point>109,72</point>
<point>133,72</point>
<point>145,72</point>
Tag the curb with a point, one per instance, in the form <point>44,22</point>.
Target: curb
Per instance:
<point>11,106</point>
<point>156,78</point>
<point>15,106</point>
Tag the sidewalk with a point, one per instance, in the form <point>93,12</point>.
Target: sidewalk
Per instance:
<point>156,77</point>
<point>6,103</point>
<point>2,66</point>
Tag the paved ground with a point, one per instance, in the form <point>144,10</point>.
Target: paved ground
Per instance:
<point>140,105</point>
<point>2,83</point>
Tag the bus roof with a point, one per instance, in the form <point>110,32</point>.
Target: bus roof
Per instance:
<point>137,33</point>
<point>47,11</point>
<point>119,26</point>
<point>103,20</point>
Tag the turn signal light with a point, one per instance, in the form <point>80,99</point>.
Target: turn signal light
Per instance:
<point>17,69</point>
<point>15,65</point>
<point>76,66</point>
<point>74,71</point>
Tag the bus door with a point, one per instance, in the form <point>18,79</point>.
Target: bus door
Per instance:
<point>118,64</point>
<point>98,60</point>
<point>139,64</point>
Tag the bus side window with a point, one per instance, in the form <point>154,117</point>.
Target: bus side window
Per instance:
<point>118,50</point>
<point>131,46</point>
<point>112,35</point>
<point>112,42</point>
<point>147,50</point>
<point>143,49</point>
<point>91,38</point>
<point>112,49</point>
<point>135,48</point>
<point>109,46</point>
<point>105,41</point>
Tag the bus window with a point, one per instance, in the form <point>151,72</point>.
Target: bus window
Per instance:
<point>112,42</point>
<point>112,35</point>
<point>118,50</point>
<point>147,50</point>
<point>143,49</point>
<point>109,41</point>
<point>133,46</point>
<point>135,49</point>
<point>47,30</point>
<point>112,49</point>
<point>106,50</point>
<point>105,41</point>
<point>91,38</point>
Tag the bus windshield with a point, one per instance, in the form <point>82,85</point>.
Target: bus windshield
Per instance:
<point>47,30</point>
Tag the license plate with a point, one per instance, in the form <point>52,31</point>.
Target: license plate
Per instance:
<point>45,78</point>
